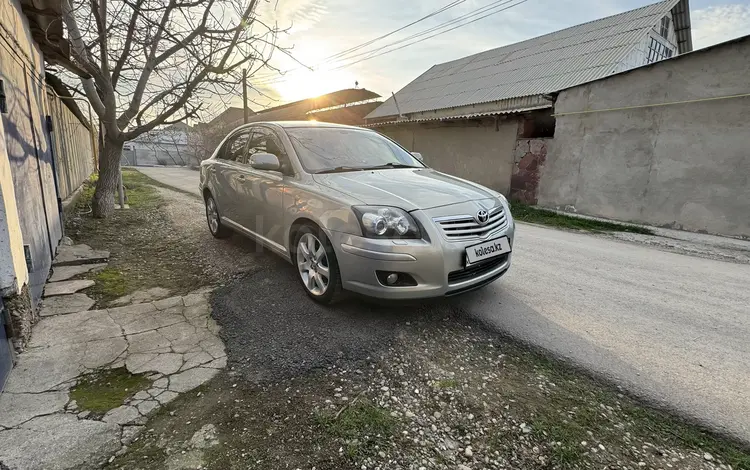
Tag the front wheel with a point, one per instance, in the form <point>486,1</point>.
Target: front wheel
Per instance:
<point>317,265</point>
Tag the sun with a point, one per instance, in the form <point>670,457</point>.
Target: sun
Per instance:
<point>309,84</point>
<point>301,83</point>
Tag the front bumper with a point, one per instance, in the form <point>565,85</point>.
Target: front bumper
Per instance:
<point>436,263</point>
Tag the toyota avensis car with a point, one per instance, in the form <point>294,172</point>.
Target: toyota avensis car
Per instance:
<point>353,210</point>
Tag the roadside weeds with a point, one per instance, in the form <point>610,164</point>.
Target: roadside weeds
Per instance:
<point>532,214</point>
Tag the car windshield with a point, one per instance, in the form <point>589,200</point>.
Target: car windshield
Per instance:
<point>328,149</point>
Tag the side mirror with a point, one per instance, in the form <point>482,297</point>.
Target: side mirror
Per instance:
<point>418,156</point>
<point>265,161</point>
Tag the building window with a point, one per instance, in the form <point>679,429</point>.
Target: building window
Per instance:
<point>658,51</point>
<point>664,30</point>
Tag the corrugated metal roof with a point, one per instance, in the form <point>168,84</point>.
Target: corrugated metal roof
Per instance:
<point>461,116</point>
<point>537,66</point>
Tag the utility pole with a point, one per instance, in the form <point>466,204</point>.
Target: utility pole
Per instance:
<point>246,110</point>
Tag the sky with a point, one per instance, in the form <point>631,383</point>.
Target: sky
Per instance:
<point>318,29</point>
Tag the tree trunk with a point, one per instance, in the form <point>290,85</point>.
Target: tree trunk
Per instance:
<point>103,203</point>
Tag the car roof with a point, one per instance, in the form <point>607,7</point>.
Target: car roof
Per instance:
<point>293,124</point>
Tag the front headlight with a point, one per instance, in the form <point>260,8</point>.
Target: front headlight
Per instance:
<point>386,222</point>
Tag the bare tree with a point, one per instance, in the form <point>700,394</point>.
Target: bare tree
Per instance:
<point>149,63</point>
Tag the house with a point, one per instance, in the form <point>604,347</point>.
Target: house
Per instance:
<point>229,116</point>
<point>176,144</point>
<point>347,106</point>
<point>479,116</point>
<point>47,150</point>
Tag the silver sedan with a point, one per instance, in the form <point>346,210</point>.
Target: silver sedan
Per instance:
<point>353,210</point>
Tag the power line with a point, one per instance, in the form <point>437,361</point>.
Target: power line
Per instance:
<point>371,41</point>
<point>446,7</point>
<point>465,16</point>
<point>432,36</point>
<point>373,53</point>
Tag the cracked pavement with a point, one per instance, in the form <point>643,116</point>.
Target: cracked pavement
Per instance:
<point>173,341</point>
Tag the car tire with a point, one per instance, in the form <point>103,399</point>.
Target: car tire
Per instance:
<point>332,291</point>
<point>217,229</point>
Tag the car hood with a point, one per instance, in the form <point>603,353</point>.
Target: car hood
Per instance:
<point>408,189</point>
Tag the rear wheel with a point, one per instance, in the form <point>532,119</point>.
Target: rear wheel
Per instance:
<point>317,265</point>
<point>213,218</point>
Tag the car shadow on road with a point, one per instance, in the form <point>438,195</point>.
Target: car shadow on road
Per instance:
<point>273,331</point>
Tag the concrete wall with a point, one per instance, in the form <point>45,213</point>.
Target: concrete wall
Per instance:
<point>681,165</point>
<point>153,152</point>
<point>479,151</point>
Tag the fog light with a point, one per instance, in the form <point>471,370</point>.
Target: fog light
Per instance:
<point>395,279</point>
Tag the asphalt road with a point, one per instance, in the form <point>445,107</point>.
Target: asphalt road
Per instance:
<point>671,328</point>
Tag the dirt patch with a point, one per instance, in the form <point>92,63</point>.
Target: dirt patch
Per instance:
<point>147,249</point>
<point>220,259</point>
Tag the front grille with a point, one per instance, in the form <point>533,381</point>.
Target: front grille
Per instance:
<point>465,226</point>
<point>476,270</point>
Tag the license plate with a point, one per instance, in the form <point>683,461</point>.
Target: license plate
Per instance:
<point>487,250</point>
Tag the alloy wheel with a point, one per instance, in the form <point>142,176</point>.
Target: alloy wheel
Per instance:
<point>212,214</point>
<point>312,262</point>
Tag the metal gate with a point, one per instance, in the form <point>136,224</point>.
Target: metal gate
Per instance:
<point>6,355</point>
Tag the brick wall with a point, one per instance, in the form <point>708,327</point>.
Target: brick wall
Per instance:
<point>528,160</point>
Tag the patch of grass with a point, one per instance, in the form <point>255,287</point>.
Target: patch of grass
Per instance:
<point>139,191</point>
<point>446,383</point>
<point>362,418</point>
<point>363,425</point>
<point>104,390</point>
<point>526,213</point>
<point>110,284</point>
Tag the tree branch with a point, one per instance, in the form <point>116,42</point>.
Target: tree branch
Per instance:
<point>135,103</point>
<point>128,43</point>
<point>79,52</point>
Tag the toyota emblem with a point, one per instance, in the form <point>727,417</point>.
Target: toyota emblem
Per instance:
<point>483,216</point>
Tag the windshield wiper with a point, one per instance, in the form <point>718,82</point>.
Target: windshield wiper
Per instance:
<point>341,169</point>
<point>391,165</point>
